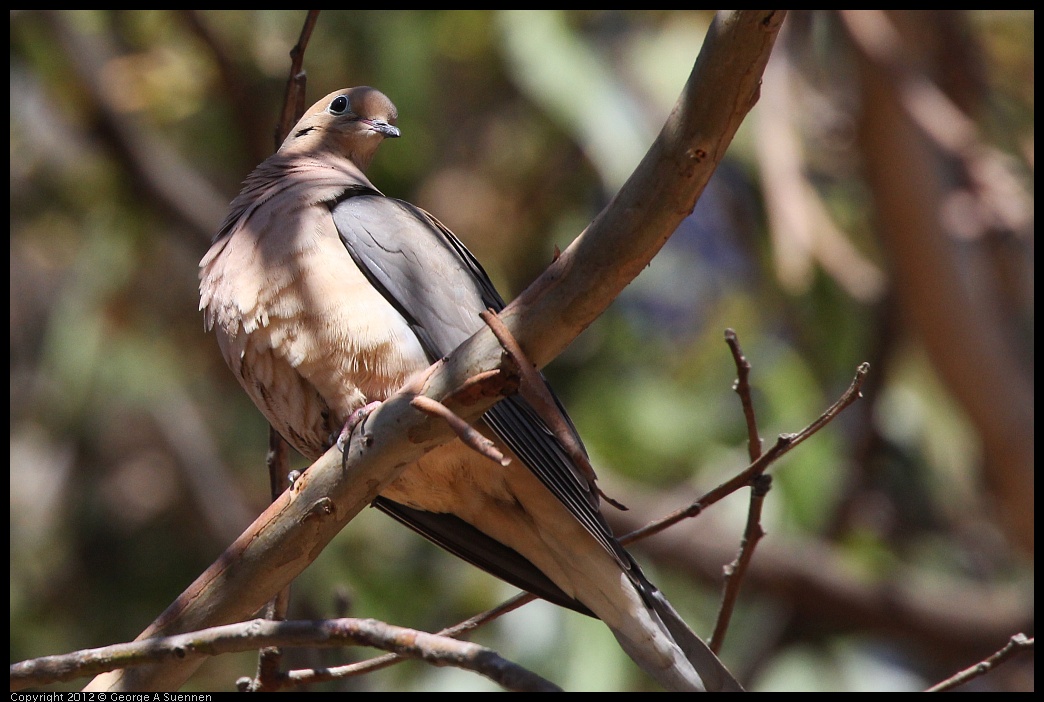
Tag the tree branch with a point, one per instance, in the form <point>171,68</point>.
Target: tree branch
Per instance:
<point>1016,644</point>
<point>199,645</point>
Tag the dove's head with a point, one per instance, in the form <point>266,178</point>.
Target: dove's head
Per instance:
<point>351,122</point>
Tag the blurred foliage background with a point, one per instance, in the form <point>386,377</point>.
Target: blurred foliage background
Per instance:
<point>875,206</point>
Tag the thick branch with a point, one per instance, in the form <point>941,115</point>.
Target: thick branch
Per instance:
<point>622,240</point>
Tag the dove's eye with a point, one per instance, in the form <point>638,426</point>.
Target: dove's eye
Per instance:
<point>339,105</point>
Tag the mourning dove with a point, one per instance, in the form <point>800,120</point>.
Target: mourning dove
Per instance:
<point>326,295</point>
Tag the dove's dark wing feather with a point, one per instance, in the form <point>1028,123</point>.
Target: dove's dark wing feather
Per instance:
<point>466,542</point>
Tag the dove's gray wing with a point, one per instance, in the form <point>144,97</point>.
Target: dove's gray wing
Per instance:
<point>440,289</point>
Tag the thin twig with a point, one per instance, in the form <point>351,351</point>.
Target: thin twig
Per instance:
<point>760,485</point>
<point>850,395</point>
<point>435,649</point>
<point>471,436</point>
<point>742,388</point>
<point>735,571</point>
<point>1016,644</point>
<point>294,97</point>
<point>783,444</point>
<point>305,677</point>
